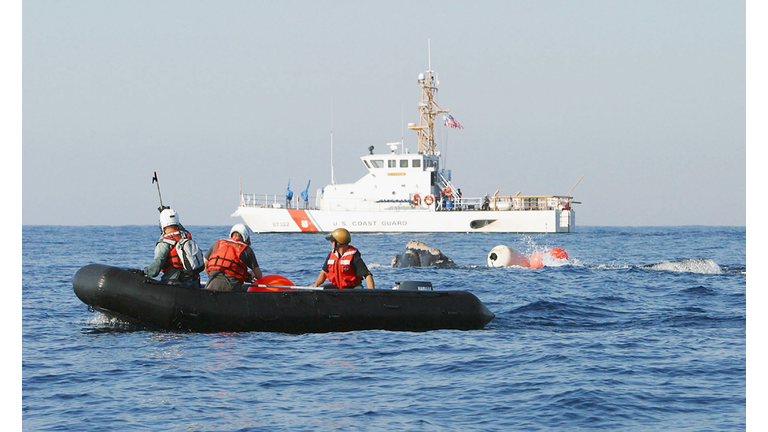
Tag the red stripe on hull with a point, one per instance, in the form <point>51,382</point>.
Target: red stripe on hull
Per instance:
<point>301,218</point>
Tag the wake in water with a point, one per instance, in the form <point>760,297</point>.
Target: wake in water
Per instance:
<point>535,256</point>
<point>690,265</point>
<point>100,323</point>
<point>504,256</point>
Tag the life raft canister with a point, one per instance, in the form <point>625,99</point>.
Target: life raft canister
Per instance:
<point>429,199</point>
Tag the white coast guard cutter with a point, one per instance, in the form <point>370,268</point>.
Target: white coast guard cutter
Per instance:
<point>405,192</point>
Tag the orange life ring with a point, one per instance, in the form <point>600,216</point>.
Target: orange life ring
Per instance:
<point>429,199</point>
<point>416,200</point>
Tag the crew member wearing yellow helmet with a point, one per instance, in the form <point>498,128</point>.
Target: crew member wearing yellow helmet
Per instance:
<point>344,268</point>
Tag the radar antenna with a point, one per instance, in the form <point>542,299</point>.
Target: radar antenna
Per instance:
<point>428,108</point>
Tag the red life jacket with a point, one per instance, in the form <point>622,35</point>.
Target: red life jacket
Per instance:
<point>226,258</point>
<point>173,261</point>
<point>340,270</point>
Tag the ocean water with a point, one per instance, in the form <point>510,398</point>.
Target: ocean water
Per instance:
<point>642,329</point>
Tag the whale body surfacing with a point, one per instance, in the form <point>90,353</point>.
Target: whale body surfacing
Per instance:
<point>418,254</point>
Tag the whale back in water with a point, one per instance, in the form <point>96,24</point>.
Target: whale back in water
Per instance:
<point>418,254</point>
<point>691,265</point>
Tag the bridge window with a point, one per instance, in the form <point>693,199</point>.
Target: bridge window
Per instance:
<point>378,163</point>
<point>416,163</point>
<point>403,163</point>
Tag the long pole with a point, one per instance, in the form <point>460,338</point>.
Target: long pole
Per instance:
<point>333,180</point>
<point>293,287</point>
<point>156,181</point>
<point>574,186</point>
<point>429,53</point>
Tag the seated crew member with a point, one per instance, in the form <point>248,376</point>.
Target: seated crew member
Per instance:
<point>166,257</point>
<point>344,267</point>
<point>231,262</point>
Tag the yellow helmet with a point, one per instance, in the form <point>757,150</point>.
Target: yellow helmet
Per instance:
<point>340,235</point>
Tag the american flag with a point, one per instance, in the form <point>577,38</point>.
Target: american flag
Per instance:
<point>450,121</point>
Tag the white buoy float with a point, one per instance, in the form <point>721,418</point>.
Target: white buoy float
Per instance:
<point>505,256</point>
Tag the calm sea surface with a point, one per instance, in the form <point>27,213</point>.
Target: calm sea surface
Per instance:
<point>609,341</point>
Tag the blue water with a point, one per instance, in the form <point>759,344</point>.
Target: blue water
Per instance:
<point>599,343</point>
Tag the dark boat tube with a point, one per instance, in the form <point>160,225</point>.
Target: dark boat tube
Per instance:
<point>131,297</point>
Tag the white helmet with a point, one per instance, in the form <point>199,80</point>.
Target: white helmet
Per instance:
<point>169,217</point>
<point>243,230</point>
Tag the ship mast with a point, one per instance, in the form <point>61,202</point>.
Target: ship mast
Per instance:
<point>429,110</point>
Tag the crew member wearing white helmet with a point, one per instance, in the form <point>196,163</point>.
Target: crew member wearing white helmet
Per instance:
<point>344,267</point>
<point>166,257</point>
<point>231,262</point>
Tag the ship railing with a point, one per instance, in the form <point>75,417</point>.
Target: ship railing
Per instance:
<point>335,204</point>
<point>506,203</point>
<point>530,202</point>
<point>458,203</point>
<point>275,201</point>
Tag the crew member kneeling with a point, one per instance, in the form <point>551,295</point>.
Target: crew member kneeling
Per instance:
<point>344,267</point>
<point>231,262</point>
<point>167,258</point>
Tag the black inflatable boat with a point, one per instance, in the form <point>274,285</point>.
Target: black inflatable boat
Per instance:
<point>135,299</point>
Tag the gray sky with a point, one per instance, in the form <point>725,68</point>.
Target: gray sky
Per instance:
<point>646,99</point>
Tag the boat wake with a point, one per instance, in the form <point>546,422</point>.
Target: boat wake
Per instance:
<point>690,265</point>
<point>100,323</point>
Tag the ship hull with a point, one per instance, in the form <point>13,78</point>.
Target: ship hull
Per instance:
<point>281,220</point>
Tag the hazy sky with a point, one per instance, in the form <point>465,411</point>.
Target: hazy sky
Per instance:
<point>646,99</point>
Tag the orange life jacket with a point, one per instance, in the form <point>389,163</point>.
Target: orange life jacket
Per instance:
<point>226,258</point>
<point>173,261</point>
<point>340,270</point>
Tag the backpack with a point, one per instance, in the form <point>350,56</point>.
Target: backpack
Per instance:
<point>190,254</point>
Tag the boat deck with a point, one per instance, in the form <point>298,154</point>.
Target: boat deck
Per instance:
<point>495,202</point>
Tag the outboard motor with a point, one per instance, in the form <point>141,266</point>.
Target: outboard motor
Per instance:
<point>413,286</point>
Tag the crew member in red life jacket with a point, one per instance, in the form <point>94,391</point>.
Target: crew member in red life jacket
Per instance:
<point>231,262</point>
<point>447,193</point>
<point>166,258</point>
<point>344,267</point>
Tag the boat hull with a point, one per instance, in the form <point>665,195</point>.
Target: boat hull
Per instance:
<point>280,220</point>
<point>130,297</point>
